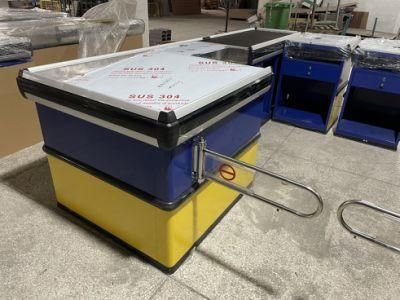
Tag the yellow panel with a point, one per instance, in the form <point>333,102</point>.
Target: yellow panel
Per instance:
<point>163,235</point>
<point>188,223</point>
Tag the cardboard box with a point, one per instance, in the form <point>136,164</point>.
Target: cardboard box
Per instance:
<point>186,7</point>
<point>241,14</point>
<point>359,20</point>
<point>19,125</point>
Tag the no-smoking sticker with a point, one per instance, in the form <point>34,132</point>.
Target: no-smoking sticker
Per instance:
<point>227,172</point>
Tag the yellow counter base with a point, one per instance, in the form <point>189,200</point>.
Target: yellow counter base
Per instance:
<point>162,237</point>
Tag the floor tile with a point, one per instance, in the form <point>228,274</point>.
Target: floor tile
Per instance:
<point>258,252</point>
<point>273,134</point>
<point>344,154</point>
<point>172,289</point>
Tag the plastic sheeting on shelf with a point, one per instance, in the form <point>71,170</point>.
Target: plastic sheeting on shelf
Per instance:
<point>14,48</point>
<point>315,46</point>
<point>378,54</point>
<point>14,14</point>
<point>60,31</point>
<point>111,21</point>
<point>102,30</point>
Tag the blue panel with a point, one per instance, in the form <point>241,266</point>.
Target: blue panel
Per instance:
<point>328,72</point>
<point>306,91</point>
<point>164,174</point>
<point>376,80</point>
<point>367,133</point>
<point>272,62</point>
<point>300,118</point>
<point>370,108</point>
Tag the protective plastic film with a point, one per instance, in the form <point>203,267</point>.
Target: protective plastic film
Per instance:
<point>14,48</point>
<point>151,82</point>
<point>378,54</point>
<point>316,46</point>
<point>46,33</point>
<point>14,14</point>
<point>110,22</point>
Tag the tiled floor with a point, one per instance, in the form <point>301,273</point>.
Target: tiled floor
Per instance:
<point>255,252</point>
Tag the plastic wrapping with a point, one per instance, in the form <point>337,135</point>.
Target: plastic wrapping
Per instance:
<point>14,48</point>
<point>13,14</point>
<point>378,54</point>
<point>46,33</point>
<point>110,21</point>
<point>315,46</point>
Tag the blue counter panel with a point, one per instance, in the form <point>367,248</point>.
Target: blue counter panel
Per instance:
<point>328,72</point>
<point>300,118</point>
<point>376,80</point>
<point>269,98</point>
<point>371,108</point>
<point>163,174</point>
<point>367,133</point>
<point>307,92</point>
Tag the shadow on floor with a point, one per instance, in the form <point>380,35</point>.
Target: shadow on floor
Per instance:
<point>258,283</point>
<point>35,183</point>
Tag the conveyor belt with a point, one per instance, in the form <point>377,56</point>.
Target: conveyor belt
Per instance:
<point>247,38</point>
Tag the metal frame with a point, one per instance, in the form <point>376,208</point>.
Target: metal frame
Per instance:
<point>199,173</point>
<point>359,233</point>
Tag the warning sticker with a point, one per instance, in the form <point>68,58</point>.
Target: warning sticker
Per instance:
<point>227,172</point>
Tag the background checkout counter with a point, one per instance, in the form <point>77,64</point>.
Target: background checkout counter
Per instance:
<point>33,41</point>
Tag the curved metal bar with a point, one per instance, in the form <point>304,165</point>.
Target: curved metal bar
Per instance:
<point>250,193</point>
<point>359,232</point>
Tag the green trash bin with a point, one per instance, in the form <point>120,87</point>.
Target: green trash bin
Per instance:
<point>277,15</point>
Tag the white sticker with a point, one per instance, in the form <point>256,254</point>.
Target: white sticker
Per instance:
<point>164,81</point>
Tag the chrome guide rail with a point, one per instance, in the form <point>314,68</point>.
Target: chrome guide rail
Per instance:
<point>199,173</point>
<point>364,235</point>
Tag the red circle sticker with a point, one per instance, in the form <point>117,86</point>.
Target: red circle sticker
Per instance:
<point>227,172</point>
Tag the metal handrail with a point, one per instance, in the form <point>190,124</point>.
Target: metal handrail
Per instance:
<point>363,234</point>
<point>201,175</point>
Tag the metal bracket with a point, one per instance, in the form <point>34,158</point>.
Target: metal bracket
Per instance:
<point>199,173</point>
<point>363,234</point>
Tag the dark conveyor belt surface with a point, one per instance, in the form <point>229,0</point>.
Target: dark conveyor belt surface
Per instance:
<point>248,38</point>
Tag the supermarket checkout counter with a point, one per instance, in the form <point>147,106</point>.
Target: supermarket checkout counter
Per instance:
<point>260,47</point>
<point>371,108</point>
<point>31,43</point>
<point>136,148</point>
<point>313,79</point>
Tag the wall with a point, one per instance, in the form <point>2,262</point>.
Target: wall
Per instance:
<point>387,12</point>
<point>142,13</point>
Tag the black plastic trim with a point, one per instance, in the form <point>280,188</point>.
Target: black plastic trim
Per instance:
<point>142,195</point>
<point>166,130</point>
<point>20,74</point>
